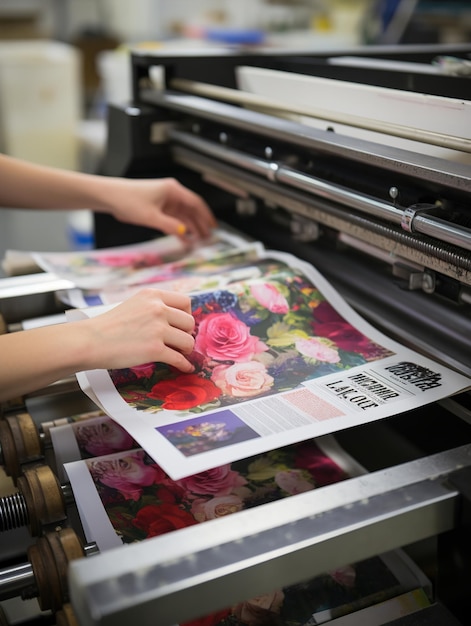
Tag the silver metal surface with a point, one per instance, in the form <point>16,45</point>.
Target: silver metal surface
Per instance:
<point>42,282</point>
<point>448,173</point>
<point>30,296</point>
<point>335,193</point>
<point>437,228</point>
<point>443,231</point>
<point>200,569</point>
<point>14,579</point>
<point>394,241</point>
<point>13,512</point>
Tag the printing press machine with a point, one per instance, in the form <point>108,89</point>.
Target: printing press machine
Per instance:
<point>389,225</point>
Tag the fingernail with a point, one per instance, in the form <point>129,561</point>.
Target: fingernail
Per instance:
<point>181,229</point>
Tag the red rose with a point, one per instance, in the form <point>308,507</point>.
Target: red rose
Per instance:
<point>184,392</point>
<point>344,336</point>
<point>169,493</point>
<point>157,520</point>
<point>325,312</point>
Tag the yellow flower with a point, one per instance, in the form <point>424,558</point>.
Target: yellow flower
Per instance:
<point>262,469</point>
<point>281,335</point>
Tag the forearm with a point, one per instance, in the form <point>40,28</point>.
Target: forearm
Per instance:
<point>33,359</point>
<point>162,204</point>
<point>151,326</point>
<point>27,185</point>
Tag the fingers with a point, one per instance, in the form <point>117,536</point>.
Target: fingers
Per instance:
<point>175,330</point>
<point>202,217</point>
<point>178,301</point>
<point>177,345</point>
<point>170,225</point>
<point>184,220</point>
<point>189,210</point>
<point>179,340</point>
<point>163,204</point>
<point>176,359</point>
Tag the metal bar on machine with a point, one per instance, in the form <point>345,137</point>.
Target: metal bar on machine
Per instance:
<point>440,229</point>
<point>25,285</point>
<point>451,174</point>
<point>198,570</point>
<point>396,130</point>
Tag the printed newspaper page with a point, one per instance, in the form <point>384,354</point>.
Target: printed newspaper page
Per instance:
<point>279,358</point>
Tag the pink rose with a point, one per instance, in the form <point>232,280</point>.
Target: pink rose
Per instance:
<point>223,337</point>
<point>269,297</point>
<point>293,481</point>
<point>218,506</point>
<point>315,349</point>
<point>242,380</point>
<point>127,474</point>
<point>218,481</point>
<point>103,437</point>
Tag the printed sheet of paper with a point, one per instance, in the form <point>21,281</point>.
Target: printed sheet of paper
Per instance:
<point>209,268</point>
<point>279,358</point>
<point>112,489</point>
<point>89,435</point>
<point>125,498</point>
<point>134,264</point>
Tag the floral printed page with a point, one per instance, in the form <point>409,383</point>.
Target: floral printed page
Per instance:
<point>125,498</point>
<point>96,435</point>
<point>114,489</point>
<point>278,359</point>
<point>190,274</point>
<point>135,264</point>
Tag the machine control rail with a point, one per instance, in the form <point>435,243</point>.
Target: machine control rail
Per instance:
<point>421,221</point>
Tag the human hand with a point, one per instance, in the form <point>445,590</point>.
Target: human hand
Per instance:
<point>163,204</point>
<point>152,325</point>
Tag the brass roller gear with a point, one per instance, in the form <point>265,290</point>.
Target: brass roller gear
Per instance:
<point>20,442</point>
<point>49,558</point>
<point>43,496</point>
